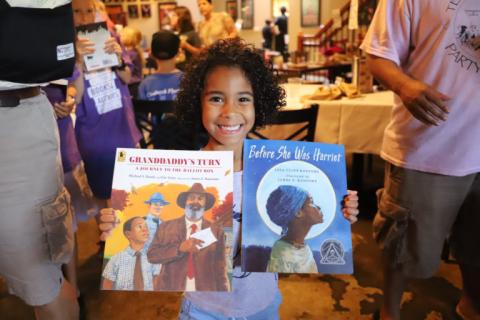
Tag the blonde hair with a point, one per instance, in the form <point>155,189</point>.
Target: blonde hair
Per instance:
<point>131,38</point>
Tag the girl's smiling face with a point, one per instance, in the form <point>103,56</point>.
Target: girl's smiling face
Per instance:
<point>228,111</point>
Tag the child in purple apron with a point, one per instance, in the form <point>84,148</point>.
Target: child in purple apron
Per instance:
<point>105,118</point>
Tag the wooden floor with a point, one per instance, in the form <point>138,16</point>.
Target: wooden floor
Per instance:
<point>355,296</point>
<point>304,297</point>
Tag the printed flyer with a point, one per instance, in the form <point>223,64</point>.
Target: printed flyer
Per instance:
<point>292,218</point>
<point>175,221</point>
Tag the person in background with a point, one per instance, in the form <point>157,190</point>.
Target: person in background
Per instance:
<point>130,39</point>
<point>75,180</point>
<point>31,183</point>
<point>105,119</point>
<point>267,35</point>
<point>102,15</point>
<point>216,25</point>
<point>282,24</point>
<point>182,24</point>
<point>238,92</point>
<point>432,180</point>
<point>164,82</point>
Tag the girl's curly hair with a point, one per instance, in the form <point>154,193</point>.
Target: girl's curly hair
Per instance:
<point>268,96</point>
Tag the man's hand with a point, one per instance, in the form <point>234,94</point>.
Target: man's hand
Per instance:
<point>190,245</point>
<point>108,222</point>
<point>350,206</point>
<point>63,109</point>
<point>424,103</point>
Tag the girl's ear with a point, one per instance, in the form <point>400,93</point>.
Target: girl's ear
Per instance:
<point>300,213</point>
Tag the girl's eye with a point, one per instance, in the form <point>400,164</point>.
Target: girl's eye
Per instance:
<point>215,99</point>
<point>245,99</point>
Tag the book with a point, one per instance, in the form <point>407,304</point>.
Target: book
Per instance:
<point>292,200</point>
<point>167,206</point>
<point>97,33</point>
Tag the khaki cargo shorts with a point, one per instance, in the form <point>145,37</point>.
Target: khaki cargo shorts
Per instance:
<point>417,211</point>
<point>35,214</point>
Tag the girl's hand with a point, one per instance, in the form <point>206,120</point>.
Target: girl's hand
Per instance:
<point>112,46</point>
<point>84,47</point>
<point>350,206</point>
<point>63,109</point>
<point>108,222</point>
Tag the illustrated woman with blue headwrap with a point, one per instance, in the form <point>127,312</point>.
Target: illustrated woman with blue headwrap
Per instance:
<point>292,209</point>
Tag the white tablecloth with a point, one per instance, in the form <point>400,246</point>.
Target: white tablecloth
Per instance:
<point>357,123</point>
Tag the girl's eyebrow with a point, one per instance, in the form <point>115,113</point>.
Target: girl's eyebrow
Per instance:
<point>220,92</point>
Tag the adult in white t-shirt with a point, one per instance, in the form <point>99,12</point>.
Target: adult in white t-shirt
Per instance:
<point>428,53</point>
<point>215,26</point>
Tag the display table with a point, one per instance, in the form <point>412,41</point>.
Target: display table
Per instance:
<point>357,123</point>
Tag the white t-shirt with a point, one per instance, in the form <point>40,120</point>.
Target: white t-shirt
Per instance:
<point>437,42</point>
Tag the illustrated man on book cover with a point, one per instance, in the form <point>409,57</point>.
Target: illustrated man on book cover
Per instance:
<point>186,264</point>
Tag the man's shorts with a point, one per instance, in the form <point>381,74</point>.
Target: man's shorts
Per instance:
<point>417,211</point>
<point>30,184</point>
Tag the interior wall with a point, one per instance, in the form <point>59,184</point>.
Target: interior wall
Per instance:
<point>262,11</point>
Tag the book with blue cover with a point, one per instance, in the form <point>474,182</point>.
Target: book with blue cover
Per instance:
<point>292,201</point>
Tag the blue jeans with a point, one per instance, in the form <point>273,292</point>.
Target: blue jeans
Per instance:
<point>190,311</point>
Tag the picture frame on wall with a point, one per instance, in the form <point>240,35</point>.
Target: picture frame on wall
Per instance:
<point>246,13</point>
<point>164,10</point>
<point>132,11</point>
<point>310,16</point>
<point>146,10</point>
<point>232,9</point>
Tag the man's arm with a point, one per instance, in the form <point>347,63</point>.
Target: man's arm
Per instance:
<point>424,102</point>
<point>164,248</point>
<point>230,26</point>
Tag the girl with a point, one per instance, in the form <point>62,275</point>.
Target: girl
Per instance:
<point>131,39</point>
<point>226,92</point>
<point>105,118</point>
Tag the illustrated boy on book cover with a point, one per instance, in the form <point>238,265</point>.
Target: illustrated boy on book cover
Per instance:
<point>292,208</point>
<point>173,207</point>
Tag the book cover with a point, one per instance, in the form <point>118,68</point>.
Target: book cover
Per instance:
<point>292,218</point>
<point>97,33</point>
<point>175,221</point>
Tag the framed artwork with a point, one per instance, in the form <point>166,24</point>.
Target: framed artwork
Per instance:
<point>232,9</point>
<point>164,10</point>
<point>247,14</point>
<point>132,11</point>
<point>146,10</point>
<point>310,13</point>
<point>116,14</point>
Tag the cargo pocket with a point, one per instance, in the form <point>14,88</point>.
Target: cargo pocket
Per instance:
<point>390,227</point>
<point>57,221</point>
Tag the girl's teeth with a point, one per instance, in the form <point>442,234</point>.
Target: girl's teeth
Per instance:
<point>230,128</point>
